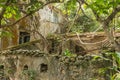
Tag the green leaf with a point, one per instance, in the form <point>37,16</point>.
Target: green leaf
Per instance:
<point>116,55</point>
<point>6,34</point>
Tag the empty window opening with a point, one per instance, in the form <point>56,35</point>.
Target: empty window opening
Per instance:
<point>52,49</point>
<point>24,37</point>
<point>43,67</point>
<point>25,67</point>
<point>79,50</point>
<point>1,70</point>
<point>1,67</point>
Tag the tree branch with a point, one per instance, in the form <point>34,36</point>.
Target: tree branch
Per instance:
<point>73,21</point>
<point>83,11</point>
<point>94,12</point>
<point>8,25</point>
<point>106,28</point>
<point>105,24</point>
<point>111,16</point>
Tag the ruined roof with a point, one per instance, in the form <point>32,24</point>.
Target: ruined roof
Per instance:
<point>29,48</point>
<point>25,46</point>
<point>90,37</point>
<point>22,52</point>
<point>90,34</point>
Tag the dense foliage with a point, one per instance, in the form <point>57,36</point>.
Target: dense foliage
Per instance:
<point>82,16</point>
<point>93,15</point>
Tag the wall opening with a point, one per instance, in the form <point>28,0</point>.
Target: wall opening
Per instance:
<point>52,49</point>
<point>43,67</point>
<point>24,37</point>
<point>79,50</point>
<point>1,71</point>
<point>25,67</point>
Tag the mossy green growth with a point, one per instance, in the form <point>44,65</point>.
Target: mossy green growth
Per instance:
<point>69,54</point>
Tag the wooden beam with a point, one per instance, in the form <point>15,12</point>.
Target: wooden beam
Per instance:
<point>22,45</point>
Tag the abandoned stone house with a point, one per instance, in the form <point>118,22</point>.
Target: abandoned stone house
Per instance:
<point>21,61</point>
<point>46,21</point>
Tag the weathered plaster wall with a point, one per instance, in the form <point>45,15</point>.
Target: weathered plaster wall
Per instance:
<point>42,66</point>
<point>44,22</point>
<point>52,21</point>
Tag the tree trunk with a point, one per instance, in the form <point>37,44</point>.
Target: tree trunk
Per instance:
<point>111,37</point>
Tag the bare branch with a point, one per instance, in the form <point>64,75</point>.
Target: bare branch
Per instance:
<point>32,12</point>
<point>111,16</point>
<point>84,12</point>
<point>106,28</point>
<point>73,21</point>
<point>94,12</point>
